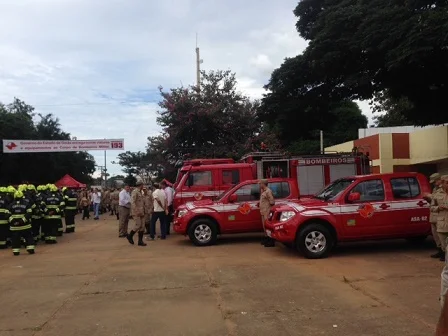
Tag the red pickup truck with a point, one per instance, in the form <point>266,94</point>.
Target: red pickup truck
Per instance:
<point>235,211</point>
<point>379,206</point>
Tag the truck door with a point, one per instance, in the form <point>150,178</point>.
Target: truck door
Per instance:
<point>409,210</point>
<point>244,214</point>
<point>368,217</point>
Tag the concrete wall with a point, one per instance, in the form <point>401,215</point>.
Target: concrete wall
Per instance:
<point>343,147</point>
<point>429,145</point>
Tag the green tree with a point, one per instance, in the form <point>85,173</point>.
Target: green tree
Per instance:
<point>16,122</point>
<point>360,48</point>
<point>217,121</point>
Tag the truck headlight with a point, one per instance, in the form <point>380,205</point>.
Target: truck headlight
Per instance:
<point>181,213</point>
<point>286,215</point>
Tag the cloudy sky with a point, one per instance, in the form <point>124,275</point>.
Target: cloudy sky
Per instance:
<point>96,65</point>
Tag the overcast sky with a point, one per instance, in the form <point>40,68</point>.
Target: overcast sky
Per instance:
<point>96,65</point>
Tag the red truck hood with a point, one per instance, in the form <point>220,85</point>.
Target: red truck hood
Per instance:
<point>199,204</point>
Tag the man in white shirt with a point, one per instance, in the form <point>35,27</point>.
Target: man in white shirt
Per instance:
<point>124,210</point>
<point>160,210</point>
<point>169,195</point>
<point>96,200</point>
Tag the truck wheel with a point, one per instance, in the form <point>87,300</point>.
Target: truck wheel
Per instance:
<point>203,232</point>
<point>315,241</point>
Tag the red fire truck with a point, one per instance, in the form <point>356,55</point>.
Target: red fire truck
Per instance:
<point>208,178</point>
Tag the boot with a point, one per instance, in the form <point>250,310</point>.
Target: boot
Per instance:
<point>140,239</point>
<point>264,240</point>
<point>269,243</point>
<point>131,237</point>
<point>442,257</point>
<point>438,254</point>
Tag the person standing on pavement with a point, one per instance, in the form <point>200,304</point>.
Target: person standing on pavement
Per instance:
<point>160,211</point>
<point>149,207</point>
<point>440,207</point>
<point>138,214</point>
<point>114,198</point>
<point>430,198</point>
<point>96,201</point>
<point>442,220</point>
<point>169,195</point>
<point>124,211</point>
<point>266,202</point>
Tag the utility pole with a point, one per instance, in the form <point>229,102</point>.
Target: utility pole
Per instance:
<point>105,171</point>
<point>198,65</point>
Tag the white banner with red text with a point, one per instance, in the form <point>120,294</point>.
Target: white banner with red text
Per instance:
<point>45,146</point>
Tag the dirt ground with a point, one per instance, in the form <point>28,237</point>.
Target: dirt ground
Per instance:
<point>93,283</point>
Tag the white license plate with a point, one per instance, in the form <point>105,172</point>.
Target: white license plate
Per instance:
<point>268,233</point>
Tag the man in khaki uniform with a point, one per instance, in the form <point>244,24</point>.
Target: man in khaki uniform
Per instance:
<point>114,198</point>
<point>440,208</point>
<point>436,180</point>
<point>266,202</point>
<point>138,214</point>
<point>149,207</point>
<point>442,222</point>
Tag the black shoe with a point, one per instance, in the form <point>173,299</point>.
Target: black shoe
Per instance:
<point>264,240</point>
<point>131,237</point>
<point>438,254</point>
<point>140,239</point>
<point>442,258</point>
<point>16,253</point>
<point>269,243</point>
<point>30,251</point>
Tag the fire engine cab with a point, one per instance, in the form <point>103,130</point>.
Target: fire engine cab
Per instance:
<point>208,178</point>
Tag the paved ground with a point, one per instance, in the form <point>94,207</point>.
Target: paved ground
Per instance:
<point>93,283</point>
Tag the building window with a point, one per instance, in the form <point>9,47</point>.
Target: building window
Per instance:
<point>230,177</point>
<point>406,187</point>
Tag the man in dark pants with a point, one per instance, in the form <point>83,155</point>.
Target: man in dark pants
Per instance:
<point>160,211</point>
<point>169,195</point>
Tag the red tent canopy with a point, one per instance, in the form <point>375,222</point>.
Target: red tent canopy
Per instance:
<point>69,182</point>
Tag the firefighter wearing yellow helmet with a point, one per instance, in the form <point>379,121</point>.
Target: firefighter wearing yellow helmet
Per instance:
<point>20,223</point>
<point>54,205</point>
<point>71,202</point>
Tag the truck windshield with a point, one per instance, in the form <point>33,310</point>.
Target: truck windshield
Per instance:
<point>330,192</point>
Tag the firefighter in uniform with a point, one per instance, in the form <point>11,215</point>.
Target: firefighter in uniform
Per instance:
<point>114,198</point>
<point>61,224</point>
<point>20,223</point>
<point>38,213</point>
<point>10,191</point>
<point>4,216</point>
<point>430,198</point>
<point>266,202</point>
<point>440,208</point>
<point>138,214</point>
<point>71,200</point>
<point>54,206</point>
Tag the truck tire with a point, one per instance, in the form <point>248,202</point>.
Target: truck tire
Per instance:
<point>315,241</point>
<point>203,232</point>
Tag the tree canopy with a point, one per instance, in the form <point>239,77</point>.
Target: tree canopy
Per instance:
<point>362,49</point>
<point>17,122</point>
<point>217,121</point>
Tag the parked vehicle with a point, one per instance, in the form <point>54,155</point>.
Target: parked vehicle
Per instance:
<point>208,178</point>
<point>379,206</point>
<point>236,211</point>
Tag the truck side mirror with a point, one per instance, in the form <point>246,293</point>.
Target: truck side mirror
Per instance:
<point>354,197</point>
<point>233,198</point>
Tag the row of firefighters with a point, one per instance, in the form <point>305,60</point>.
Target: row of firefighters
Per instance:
<point>29,215</point>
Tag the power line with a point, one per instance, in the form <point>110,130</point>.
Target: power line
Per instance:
<point>91,104</point>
